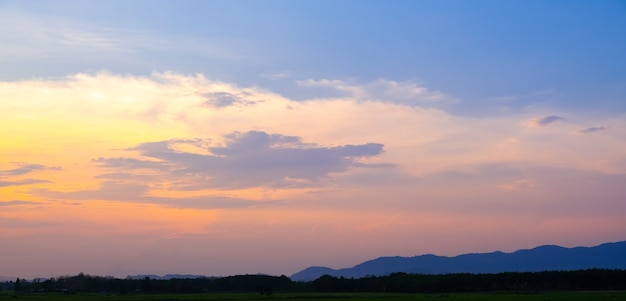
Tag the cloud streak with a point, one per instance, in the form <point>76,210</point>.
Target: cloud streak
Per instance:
<point>544,121</point>
<point>382,90</point>
<point>25,168</point>
<point>594,129</point>
<point>38,38</point>
<point>16,203</point>
<point>13,177</point>
<point>112,190</point>
<point>22,182</point>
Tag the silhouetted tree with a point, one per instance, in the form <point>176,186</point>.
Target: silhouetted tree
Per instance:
<point>17,286</point>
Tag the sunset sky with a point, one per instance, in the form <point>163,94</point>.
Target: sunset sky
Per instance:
<point>234,137</point>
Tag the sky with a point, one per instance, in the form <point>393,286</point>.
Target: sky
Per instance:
<point>243,137</point>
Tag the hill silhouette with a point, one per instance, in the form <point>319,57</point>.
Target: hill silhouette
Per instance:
<point>542,258</point>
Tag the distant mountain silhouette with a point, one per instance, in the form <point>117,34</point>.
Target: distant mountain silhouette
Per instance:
<point>543,258</point>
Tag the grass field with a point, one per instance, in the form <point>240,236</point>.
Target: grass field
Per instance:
<point>574,296</point>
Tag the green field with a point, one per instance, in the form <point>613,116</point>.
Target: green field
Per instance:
<point>586,296</point>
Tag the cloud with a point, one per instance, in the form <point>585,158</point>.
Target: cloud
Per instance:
<point>129,163</point>
<point>277,76</point>
<point>339,85</point>
<point>113,190</point>
<point>163,106</point>
<point>250,159</point>
<point>22,182</point>
<point>543,121</point>
<point>592,130</point>
<point>62,34</point>
<point>296,145</point>
<point>42,37</point>
<point>16,203</point>
<point>225,99</point>
<point>134,176</point>
<point>548,119</point>
<point>374,165</point>
<point>408,93</point>
<point>185,172</point>
<point>25,168</point>
<point>518,184</point>
<point>32,32</point>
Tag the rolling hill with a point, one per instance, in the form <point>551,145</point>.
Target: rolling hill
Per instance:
<point>542,258</point>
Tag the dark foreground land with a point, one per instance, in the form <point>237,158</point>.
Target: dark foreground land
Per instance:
<point>593,284</point>
<point>554,296</point>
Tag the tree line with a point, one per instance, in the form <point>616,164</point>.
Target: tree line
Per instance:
<point>591,279</point>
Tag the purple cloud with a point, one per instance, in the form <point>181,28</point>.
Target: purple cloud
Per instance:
<point>25,169</point>
<point>225,99</point>
<point>16,203</point>
<point>22,182</point>
<point>249,159</point>
<point>592,130</point>
<point>547,120</point>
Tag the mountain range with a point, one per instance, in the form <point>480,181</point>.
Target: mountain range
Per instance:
<point>542,258</point>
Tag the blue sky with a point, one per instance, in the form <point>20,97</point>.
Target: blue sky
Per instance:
<point>563,52</point>
<point>268,136</point>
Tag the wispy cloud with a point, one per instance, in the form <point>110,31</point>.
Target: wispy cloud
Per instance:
<point>16,203</point>
<point>409,93</point>
<point>35,37</point>
<point>277,75</point>
<point>25,168</point>
<point>38,37</point>
<point>22,182</point>
<point>518,184</point>
<point>543,121</point>
<point>130,163</point>
<point>13,177</point>
<point>594,129</point>
<point>113,190</point>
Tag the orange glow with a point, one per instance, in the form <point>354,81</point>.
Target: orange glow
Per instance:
<point>108,218</point>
